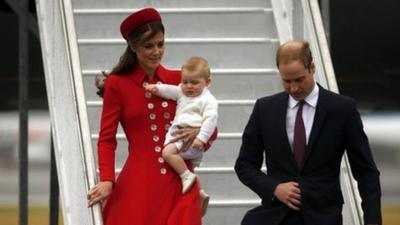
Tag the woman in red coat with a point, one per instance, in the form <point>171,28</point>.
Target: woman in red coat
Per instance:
<point>147,191</point>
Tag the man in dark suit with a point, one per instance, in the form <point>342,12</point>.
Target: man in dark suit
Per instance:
<point>303,134</point>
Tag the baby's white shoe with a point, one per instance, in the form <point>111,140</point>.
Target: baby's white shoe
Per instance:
<point>187,179</point>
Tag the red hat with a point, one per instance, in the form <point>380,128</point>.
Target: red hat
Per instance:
<point>137,19</point>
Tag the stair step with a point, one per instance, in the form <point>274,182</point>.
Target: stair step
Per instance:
<point>190,40</point>
<point>241,84</point>
<point>223,152</point>
<point>238,38</point>
<point>237,111</point>
<point>248,53</point>
<point>224,185</point>
<point>192,22</point>
<point>219,183</point>
<point>227,136</point>
<point>88,4</point>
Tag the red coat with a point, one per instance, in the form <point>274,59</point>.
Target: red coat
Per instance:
<point>147,191</point>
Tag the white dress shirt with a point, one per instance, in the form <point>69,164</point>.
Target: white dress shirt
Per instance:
<point>308,114</point>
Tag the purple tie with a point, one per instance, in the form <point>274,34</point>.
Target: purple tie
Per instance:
<point>299,140</point>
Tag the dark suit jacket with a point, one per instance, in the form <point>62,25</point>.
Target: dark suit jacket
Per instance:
<point>337,127</point>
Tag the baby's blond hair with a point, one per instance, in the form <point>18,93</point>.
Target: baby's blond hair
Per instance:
<point>199,64</point>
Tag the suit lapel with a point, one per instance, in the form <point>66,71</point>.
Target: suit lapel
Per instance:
<point>319,119</point>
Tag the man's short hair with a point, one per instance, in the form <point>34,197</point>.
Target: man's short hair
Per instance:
<point>294,51</point>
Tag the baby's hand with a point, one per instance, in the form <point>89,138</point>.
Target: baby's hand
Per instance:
<point>151,88</point>
<point>197,144</point>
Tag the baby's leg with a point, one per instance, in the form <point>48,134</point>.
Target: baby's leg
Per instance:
<point>171,155</point>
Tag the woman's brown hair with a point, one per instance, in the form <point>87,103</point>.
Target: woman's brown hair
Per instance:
<point>128,61</point>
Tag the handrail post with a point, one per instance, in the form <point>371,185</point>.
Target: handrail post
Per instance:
<point>54,188</point>
<point>23,111</point>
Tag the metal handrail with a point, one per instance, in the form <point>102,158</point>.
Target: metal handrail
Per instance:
<point>282,19</point>
<point>323,46</point>
<point>74,63</point>
<point>312,7</point>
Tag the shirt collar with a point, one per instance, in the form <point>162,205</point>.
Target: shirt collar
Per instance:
<point>311,99</point>
<point>139,76</point>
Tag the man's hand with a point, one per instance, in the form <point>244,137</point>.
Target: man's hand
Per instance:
<point>197,144</point>
<point>289,194</point>
<point>187,135</point>
<point>152,88</point>
<point>99,193</point>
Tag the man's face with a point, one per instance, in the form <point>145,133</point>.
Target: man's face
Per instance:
<point>297,80</point>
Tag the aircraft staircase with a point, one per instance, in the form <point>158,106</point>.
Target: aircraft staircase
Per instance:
<point>239,38</point>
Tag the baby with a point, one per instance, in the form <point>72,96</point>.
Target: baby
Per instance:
<point>196,107</point>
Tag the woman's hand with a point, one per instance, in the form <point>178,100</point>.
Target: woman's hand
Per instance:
<point>187,135</point>
<point>198,144</point>
<point>99,193</point>
<point>99,82</point>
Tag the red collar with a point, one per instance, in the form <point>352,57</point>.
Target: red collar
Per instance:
<point>139,76</point>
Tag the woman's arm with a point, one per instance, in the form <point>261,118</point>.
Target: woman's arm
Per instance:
<point>188,134</point>
<point>111,113</point>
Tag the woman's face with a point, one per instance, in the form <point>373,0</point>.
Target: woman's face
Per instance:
<point>150,52</point>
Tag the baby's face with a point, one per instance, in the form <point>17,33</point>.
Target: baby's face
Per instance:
<point>193,83</point>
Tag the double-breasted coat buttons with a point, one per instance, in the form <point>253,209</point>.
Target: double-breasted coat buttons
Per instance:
<point>164,104</point>
<point>153,115</point>
<point>167,115</point>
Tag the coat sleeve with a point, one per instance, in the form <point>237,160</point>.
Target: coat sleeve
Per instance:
<point>248,164</point>
<point>110,117</point>
<point>363,168</point>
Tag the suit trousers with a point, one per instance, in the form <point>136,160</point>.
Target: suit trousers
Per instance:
<point>293,218</point>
